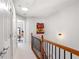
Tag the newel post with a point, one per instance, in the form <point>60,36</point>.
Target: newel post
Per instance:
<point>42,49</point>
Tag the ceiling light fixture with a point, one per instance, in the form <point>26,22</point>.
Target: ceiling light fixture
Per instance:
<point>24,9</point>
<point>60,35</point>
<point>3,6</point>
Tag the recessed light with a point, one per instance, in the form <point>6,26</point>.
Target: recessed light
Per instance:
<point>24,9</point>
<point>60,35</point>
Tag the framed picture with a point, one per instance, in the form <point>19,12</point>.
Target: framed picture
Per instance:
<point>40,28</point>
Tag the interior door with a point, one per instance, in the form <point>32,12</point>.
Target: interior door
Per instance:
<point>1,34</point>
<point>5,31</point>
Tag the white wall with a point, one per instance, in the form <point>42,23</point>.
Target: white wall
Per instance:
<point>65,21</point>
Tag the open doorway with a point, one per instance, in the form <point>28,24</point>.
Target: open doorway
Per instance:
<point>21,33</point>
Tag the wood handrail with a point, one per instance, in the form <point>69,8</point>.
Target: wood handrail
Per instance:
<point>65,48</point>
<point>71,50</point>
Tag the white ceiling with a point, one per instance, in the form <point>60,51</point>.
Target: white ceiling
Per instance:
<point>41,8</point>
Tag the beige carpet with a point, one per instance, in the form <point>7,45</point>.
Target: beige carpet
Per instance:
<point>24,53</point>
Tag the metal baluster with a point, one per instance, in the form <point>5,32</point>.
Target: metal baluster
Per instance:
<point>59,54</point>
<point>52,51</point>
<point>45,50</point>
<point>55,52</point>
<point>32,42</point>
<point>70,55</point>
<point>64,54</point>
<point>49,50</point>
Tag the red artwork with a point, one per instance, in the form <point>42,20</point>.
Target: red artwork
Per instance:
<point>40,28</point>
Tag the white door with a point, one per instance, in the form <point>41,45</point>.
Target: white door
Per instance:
<point>1,34</point>
<point>5,31</point>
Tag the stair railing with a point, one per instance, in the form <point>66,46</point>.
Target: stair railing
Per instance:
<point>36,45</point>
<point>45,49</point>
